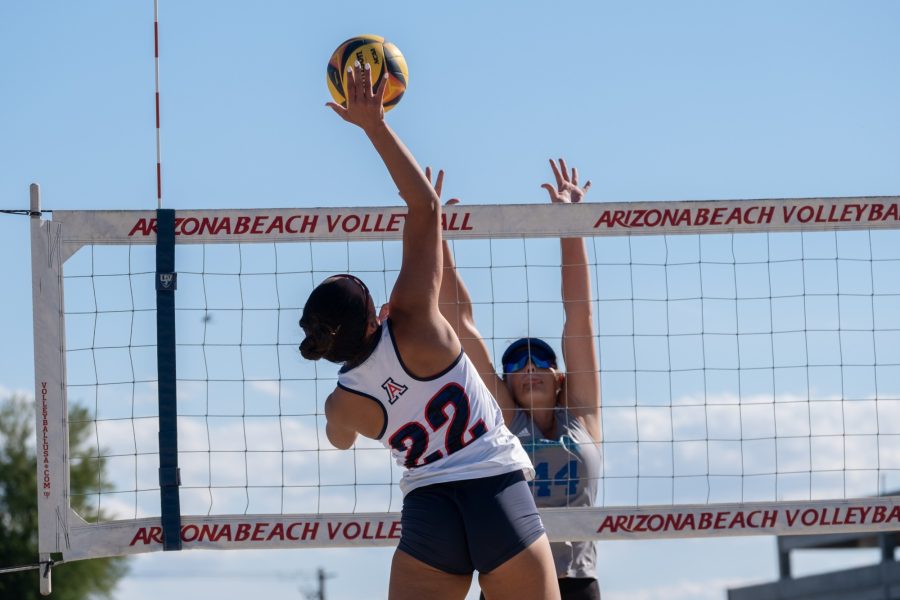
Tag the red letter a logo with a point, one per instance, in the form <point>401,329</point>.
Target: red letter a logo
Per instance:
<point>394,390</point>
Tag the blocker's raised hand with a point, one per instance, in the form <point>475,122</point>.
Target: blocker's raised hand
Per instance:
<point>438,185</point>
<point>364,104</point>
<point>566,190</point>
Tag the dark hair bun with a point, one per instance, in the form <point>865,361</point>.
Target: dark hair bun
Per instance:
<point>335,318</point>
<point>318,341</point>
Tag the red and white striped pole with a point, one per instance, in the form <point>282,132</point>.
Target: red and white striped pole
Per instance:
<point>156,64</point>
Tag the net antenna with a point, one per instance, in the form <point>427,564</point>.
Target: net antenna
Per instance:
<point>749,350</point>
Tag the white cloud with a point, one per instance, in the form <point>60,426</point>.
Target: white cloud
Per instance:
<point>270,388</point>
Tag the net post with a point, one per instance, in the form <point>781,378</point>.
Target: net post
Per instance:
<point>169,475</point>
<point>44,574</point>
<point>51,417</point>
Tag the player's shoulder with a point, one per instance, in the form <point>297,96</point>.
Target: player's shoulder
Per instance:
<point>339,401</point>
<point>425,345</point>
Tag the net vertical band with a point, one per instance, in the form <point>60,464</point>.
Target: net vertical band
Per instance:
<point>51,424</point>
<point>169,476</point>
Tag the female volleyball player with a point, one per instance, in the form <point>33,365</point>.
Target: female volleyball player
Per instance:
<point>556,416</point>
<point>406,382</point>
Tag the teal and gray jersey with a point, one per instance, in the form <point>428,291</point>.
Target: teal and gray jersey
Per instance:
<point>567,467</point>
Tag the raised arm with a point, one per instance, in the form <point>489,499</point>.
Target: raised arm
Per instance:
<point>456,306</point>
<point>582,386</point>
<point>425,338</point>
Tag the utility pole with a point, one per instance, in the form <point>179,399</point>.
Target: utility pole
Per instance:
<point>319,594</point>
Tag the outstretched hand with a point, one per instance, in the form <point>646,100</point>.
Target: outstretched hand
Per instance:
<point>364,104</point>
<point>438,185</point>
<point>566,190</point>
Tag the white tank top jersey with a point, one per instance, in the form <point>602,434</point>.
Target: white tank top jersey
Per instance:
<point>446,427</point>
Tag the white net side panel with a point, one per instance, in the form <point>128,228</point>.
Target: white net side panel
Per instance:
<point>749,350</point>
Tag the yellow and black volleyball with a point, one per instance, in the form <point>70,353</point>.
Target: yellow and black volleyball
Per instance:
<point>381,55</point>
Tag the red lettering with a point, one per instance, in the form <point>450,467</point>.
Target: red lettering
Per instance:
<point>143,227</point>
<point>453,226</point>
<point>242,533</point>
<point>605,219</point>
<point>850,208</point>
<point>258,224</point>
<point>379,534</point>
<point>736,215</point>
<point>394,533</point>
<point>792,516</point>
<point>895,514</point>
<point>243,225</point>
<point>394,222</point>
<point>225,534</point>
<point>259,532</point>
<point>720,518</point>
<point>191,222</point>
<point>351,223</point>
<point>277,532</point>
<point>333,531</point>
<point>607,523</point>
<point>717,215</point>
<point>656,215</point>
<point>310,530</point>
<point>788,213</point>
<point>750,517</point>
<point>189,533</point>
<point>638,219</point>
<point>276,225</point>
<point>209,533</point>
<point>225,226</point>
<point>702,217</point>
<point>668,217</point>
<point>140,536</point>
<point>352,534</point>
<point>309,223</point>
<point>809,517</point>
<point>861,510</point>
<point>819,210</point>
<point>207,225</point>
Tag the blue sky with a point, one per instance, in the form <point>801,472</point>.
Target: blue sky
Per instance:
<point>651,100</point>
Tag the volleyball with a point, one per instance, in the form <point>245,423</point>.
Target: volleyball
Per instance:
<point>380,55</point>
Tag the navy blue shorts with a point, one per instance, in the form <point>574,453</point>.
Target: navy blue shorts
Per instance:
<point>470,525</point>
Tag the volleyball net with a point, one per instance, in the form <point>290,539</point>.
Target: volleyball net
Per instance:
<point>749,355</point>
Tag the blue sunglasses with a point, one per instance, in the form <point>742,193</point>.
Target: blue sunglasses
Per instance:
<point>516,359</point>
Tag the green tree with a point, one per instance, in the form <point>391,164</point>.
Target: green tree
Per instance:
<point>18,508</point>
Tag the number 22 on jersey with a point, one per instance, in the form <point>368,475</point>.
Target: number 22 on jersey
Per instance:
<point>413,438</point>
